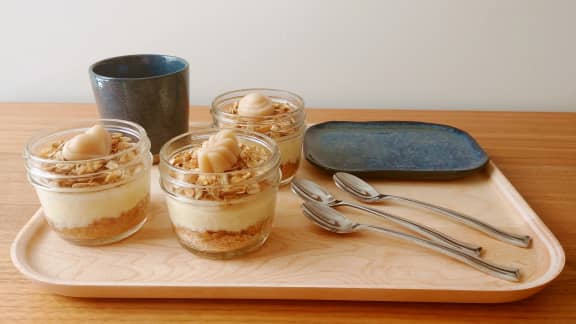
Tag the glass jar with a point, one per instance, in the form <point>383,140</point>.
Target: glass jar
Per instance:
<point>97,201</point>
<point>286,126</point>
<point>220,215</point>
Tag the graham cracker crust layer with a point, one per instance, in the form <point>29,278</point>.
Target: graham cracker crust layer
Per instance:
<point>289,169</point>
<point>223,241</point>
<point>106,228</point>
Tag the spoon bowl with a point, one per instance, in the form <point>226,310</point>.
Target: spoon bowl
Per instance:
<point>309,190</point>
<point>357,187</point>
<point>328,218</point>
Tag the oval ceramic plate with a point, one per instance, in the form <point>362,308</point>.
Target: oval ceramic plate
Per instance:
<point>395,149</point>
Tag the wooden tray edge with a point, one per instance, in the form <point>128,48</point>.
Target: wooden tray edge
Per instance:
<point>553,246</point>
<point>292,292</point>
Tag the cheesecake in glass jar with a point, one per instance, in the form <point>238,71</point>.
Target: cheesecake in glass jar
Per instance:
<point>92,179</point>
<point>221,188</point>
<point>275,113</point>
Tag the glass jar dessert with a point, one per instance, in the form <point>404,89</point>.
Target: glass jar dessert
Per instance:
<point>92,179</point>
<point>221,188</point>
<point>276,113</point>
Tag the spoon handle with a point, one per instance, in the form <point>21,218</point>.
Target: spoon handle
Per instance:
<point>502,272</point>
<point>514,239</point>
<point>425,231</point>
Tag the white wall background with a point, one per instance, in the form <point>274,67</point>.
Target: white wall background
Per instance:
<point>426,54</point>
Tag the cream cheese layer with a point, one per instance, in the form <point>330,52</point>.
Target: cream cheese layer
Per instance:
<point>218,216</point>
<point>80,209</point>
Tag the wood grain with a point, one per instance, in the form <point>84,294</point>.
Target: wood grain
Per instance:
<point>536,151</point>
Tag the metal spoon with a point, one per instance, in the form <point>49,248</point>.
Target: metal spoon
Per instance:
<point>311,191</point>
<point>363,191</point>
<point>331,220</point>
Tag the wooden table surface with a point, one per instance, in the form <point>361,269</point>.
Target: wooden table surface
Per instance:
<point>536,151</point>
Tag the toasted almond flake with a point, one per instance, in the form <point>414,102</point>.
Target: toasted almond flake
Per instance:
<point>84,184</point>
<point>110,165</point>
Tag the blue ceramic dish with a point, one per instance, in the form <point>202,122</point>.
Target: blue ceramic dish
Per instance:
<point>394,149</point>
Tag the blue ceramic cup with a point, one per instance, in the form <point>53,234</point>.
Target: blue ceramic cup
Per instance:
<point>148,89</point>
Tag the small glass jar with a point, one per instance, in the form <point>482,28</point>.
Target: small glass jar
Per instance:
<point>286,126</point>
<point>221,215</point>
<point>97,201</point>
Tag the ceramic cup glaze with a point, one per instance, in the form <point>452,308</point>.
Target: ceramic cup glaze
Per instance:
<point>148,89</point>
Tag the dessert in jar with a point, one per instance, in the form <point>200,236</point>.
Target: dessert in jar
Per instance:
<point>276,113</point>
<point>92,180</point>
<point>221,189</point>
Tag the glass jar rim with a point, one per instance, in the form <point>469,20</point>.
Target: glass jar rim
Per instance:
<point>263,119</point>
<point>28,155</point>
<point>206,132</point>
<point>55,176</point>
<point>147,165</point>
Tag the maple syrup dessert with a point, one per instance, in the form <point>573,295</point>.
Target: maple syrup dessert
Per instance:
<point>221,188</point>
<point>275,113</point>
<point>93,181</point>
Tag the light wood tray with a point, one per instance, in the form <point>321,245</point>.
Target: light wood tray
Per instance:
<point>301,261</point>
